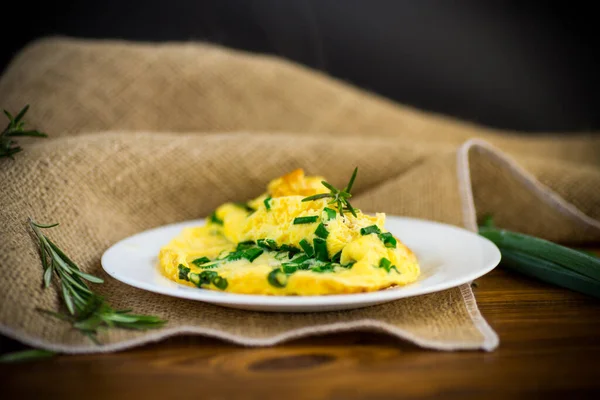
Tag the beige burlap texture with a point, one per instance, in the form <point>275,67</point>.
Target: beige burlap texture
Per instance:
<point>143,135</point>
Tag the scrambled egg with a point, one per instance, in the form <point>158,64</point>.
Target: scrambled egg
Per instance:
<point>278,244</point>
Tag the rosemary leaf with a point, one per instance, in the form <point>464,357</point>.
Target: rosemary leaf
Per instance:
<point>26,355</point>
<point>47,277</point>
<point>349,186</point>
<point>68,300</point>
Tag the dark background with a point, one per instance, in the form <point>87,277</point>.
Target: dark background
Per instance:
<point>510,64</point>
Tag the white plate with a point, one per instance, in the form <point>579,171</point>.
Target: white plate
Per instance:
<point>449,256</point>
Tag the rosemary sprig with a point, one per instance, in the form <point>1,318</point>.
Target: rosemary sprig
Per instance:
<point>26,355</point>
<point>15,127</point>
<point>86,311</point>
<point>338,197</point>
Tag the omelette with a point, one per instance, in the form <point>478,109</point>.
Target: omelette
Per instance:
<point>300,237</point>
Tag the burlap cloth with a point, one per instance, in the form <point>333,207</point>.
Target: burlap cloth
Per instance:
<point>144,135</point>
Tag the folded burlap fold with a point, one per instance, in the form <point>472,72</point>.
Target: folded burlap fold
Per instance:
<point>143,135</point>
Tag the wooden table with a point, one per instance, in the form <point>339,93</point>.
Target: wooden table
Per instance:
<point>549,345</point>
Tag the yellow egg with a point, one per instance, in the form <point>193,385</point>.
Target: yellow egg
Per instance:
<point>281,244</point>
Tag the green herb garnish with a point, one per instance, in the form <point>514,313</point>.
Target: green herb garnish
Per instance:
<point>387,265</point>
<point>290,249</point>
<point>200,261</point>
<point>235,255</point>
<point>321,231</point>
<point>305,220</point>
<point>203,278</point>
<point>321,249</point>
<point>349,265</point>
<point>369,229</point>
<point>388,240</point>
<point>301,258</point>
<point>86,311</point>
<point>245,207</point>
<point>183,272</point>
<point>277,278</point>
<point>26,355</point>
<point>220,282</point>
<point>338,197</point>
<point>267,244</point>
<point>245,245</point>
<point>252,254</point>
<point>15,127</point>
<point>210,265</point>
<point>337,257</point>
<point>328,267</point>
<point>331,214</point>
<point>308,249</point>
<point>267,205</point>
<point>194,278</point>
<point>289,268</point>
<point>214,219</point>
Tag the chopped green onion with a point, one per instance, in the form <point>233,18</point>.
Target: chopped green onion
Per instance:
<point>200,261</point>
<point>321,249</point>
<point>194,278</point>
<point>291,249</point>
<point>331,214</point>
<point>308,249</point>
<point>385,264</point>
<point>266,202</point>
<point>337,257</point>
<point>289,268</point>
<point>245,206</point>
<point>277,278</point>
<point>252,254</point>
<point>321,231</point>
<point>305,265</point>
<point>349,265</point>
<point>234,256</point>
<point>213,264</point>
<point>214,219</point>
<point>183,272</point>
<point>281,255</point>
<point>300,259</point>
<point>245,245</point>
<point>206,277</point>
<point>388,240</point>
<point>323,268</point>
<point>369,229</point>
<point>220,282</point>
<point>267,244</point>
<point>305,220</point>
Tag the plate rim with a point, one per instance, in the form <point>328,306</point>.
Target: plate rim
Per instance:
<point>226,298</point>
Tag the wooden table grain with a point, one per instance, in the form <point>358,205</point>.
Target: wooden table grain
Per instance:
<point>549,347</point>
